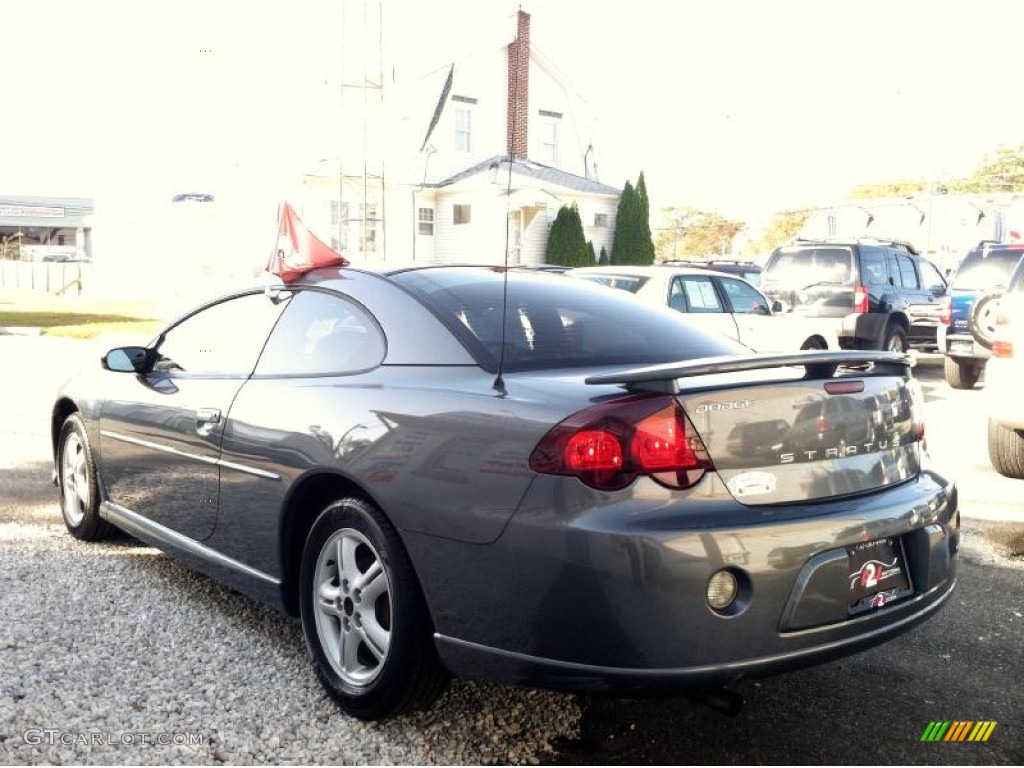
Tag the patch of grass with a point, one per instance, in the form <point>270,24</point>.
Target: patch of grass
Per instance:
<point>141,328</point>
<point>79,318</point>
<point>52,319</point>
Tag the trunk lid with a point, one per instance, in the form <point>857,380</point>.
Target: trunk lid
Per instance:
<point>787,428</point>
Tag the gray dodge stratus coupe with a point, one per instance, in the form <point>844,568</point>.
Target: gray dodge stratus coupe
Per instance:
<point>591,495</point>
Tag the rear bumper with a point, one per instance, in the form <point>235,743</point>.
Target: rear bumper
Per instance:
<point>473,660</point>
<point>961,345</point>
<point>607,591</point>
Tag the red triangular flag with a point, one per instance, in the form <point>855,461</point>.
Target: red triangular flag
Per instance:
<point>298,250</point>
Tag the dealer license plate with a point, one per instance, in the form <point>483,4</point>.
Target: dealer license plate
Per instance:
<point>878,573</point>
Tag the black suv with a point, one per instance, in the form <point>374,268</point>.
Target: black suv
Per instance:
<point>876,294</point>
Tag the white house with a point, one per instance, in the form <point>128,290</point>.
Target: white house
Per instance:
<point>492,143</point>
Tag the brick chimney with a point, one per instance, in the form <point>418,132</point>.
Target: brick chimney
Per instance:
<point>519,88</point>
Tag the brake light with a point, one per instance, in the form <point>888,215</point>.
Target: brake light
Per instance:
<point>860,300</point>
<point>946,310</point>
<point>609,445</point>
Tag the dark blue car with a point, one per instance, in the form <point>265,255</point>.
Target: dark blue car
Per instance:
<point>969,319</point>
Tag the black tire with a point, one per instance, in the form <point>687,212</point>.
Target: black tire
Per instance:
<point>1006,450</point>
<point>78,483</point>
<point>960,374</point>
<point>409,674</point>
<point>815,343</point>
<point>894,339</point>
<point>983,318</point>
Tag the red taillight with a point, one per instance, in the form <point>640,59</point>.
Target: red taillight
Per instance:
<point>608,446</point>
<point>593,450</point>
<point>659,443</point>
<point>946,310</point>
<point>860,300</point>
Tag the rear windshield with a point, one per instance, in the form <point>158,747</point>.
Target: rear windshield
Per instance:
<point>552,322</point>
<point>805,266</point>
<point>986,269</point>
<point>631,283</point>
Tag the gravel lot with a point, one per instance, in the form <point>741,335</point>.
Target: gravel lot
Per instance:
<point>117,640</point>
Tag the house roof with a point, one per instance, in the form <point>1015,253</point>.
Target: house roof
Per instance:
<point>533,170</point>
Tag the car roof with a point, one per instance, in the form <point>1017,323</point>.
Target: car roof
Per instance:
<point>648,271</point>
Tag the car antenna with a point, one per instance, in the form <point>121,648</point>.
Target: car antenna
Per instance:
<point>499,380</point>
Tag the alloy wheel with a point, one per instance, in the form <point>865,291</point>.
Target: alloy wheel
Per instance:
<point>352,605</point>
<point>75,480</point>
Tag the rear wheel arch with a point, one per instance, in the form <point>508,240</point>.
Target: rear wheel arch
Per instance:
<point>815,342</point>
<point>308,497</point>
<point>61,410</point>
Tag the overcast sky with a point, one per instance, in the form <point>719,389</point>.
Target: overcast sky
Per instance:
<point>744,108</point>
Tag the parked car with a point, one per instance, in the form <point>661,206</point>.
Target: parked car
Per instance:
<point>748,270</point>
<point>718,302</point>
<point>875,294</point>
<point>968,317</point>
<point>492,473</point>
<point>1003,377</point>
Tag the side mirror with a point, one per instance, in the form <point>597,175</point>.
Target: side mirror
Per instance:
<point>937,290</point>
<point>779,307</point>
<point>126,359</point>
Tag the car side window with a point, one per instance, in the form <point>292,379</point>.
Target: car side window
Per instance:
<point>700,294</point>
<point>322,334</point>
<point>744,299</point>
<point>676,297</point>
<point>224,339</point>
<point>908,275</point>
<point>932,278</point>
<point>872,266</point>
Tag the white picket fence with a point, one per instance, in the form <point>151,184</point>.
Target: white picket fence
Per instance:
<point>59,278</point>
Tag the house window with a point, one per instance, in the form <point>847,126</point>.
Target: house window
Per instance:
<point>425,217</point>
<point>463,129</point>
<point>335,213</point>
<point>549,141</point>
<point>600,219</point>
<point>369,241</point>
<point>368,235</point>
<point>461,214</point>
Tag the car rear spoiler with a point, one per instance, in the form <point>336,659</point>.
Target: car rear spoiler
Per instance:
<point>817,365</point>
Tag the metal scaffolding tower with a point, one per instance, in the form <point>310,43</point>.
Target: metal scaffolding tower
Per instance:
<point>361,155</point>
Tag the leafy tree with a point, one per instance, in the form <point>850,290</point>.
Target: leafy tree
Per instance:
<point>631,243</point>
<point>692,233</point>
<point>888,189</point>
<point>591,256</point>
<point>783,227</point>
<point>1002,171</point>
<point>567,245</point>
<point>646,243</point>
<point>604,261</point>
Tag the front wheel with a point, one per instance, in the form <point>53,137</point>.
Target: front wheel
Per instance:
<point>79,486</point>
<point>366,623</point>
